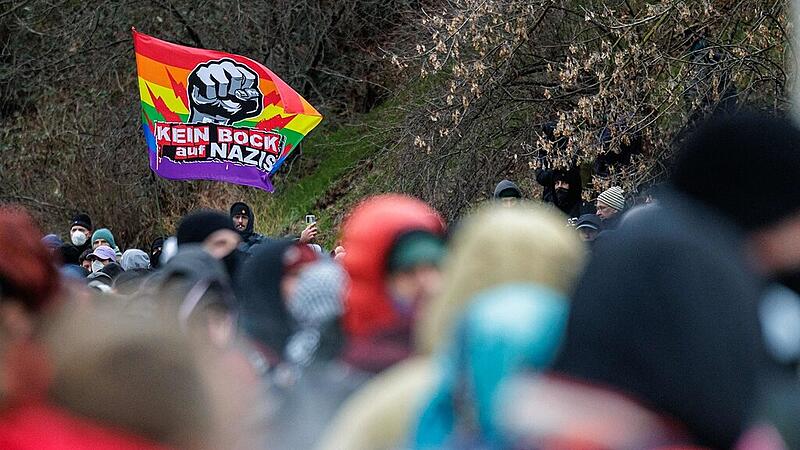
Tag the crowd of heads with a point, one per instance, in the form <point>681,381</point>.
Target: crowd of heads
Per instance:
<point>550,323</point>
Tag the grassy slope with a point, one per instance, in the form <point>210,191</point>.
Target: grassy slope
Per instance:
<point>340,164</point>
<point>323,179</point>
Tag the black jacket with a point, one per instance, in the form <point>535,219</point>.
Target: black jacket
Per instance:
<point>264,316</point>
<point>507,185</point>
<point>112,269</point>
<point>613,222</point>
<point>71,253</point>
<point>667,312</point>
<point>572,206</point>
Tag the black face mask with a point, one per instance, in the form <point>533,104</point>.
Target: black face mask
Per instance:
<point>562,195</point>
<point>155,258</point>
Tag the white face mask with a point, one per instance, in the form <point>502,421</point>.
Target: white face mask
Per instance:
<point>96,266</point>
<point>78,238</point>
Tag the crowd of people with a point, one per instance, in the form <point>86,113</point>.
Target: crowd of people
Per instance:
<point>527,324</point>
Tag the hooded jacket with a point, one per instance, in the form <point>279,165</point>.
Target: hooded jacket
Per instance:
<point>504,186</point>
<point>263,311</point>
<point>135,259</point>
<point>572,205</point>
<point>523,244</point>
<point>249,236</point>
<point>378,334</point>
<point>190,267</point>
<point>504,331</point>
<point>527,261</point>
<point>368,236</point>
<point>156,248</point>
<point>667,312</point>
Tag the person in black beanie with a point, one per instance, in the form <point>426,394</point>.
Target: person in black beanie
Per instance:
<point>667,310</point>
<point>244,222</point>
<point>214,231</point>
<point>731,163</point>
<point>80,233</point>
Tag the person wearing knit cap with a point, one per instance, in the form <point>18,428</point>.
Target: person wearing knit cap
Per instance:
<point>52,242</point>
<point>610,205</point>
<point>80,233</point>
<point>81,222</point>
<point>669,310</point>
<point>394,245</point>
<point>215,232</point>
<point>103,236</point>
<point>314,382</point>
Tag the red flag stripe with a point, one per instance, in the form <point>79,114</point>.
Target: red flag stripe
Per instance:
<point>188,57</point>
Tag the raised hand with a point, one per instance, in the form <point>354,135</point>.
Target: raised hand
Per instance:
<point>223,92</point>
<point>309,234</point>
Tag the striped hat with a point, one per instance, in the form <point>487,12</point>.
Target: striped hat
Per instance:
<point>613,197</point>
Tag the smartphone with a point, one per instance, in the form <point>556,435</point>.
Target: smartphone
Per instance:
<point>310,218</point>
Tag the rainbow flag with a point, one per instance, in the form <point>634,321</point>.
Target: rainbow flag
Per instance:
<point>216,116</point>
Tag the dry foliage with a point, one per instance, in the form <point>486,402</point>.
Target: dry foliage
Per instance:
<point>509,86</point>
<point>532,83</point>
<point>69,107</point>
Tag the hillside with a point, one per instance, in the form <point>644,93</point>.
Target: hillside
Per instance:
<point>436,99</point>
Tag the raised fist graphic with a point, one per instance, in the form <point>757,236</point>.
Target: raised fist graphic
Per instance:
<point>224,92</point>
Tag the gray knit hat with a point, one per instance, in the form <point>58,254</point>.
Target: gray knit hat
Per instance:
<point>613,197</point>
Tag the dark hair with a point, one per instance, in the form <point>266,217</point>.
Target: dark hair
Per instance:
<point>85,255</point>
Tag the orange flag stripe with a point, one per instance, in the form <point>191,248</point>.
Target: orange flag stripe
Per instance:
<point>155,72</point>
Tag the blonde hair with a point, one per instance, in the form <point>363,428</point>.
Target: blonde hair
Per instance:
<point>526,243</point>
<point>141,375</point>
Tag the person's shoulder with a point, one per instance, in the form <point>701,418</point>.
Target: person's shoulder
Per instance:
<point>255,238</point>
<point>252,242</point>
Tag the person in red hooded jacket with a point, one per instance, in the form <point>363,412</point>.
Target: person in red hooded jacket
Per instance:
<point>30,290</point>
<point>394,244</point>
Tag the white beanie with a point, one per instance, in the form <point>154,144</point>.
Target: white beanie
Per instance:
<point>613,197</point>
